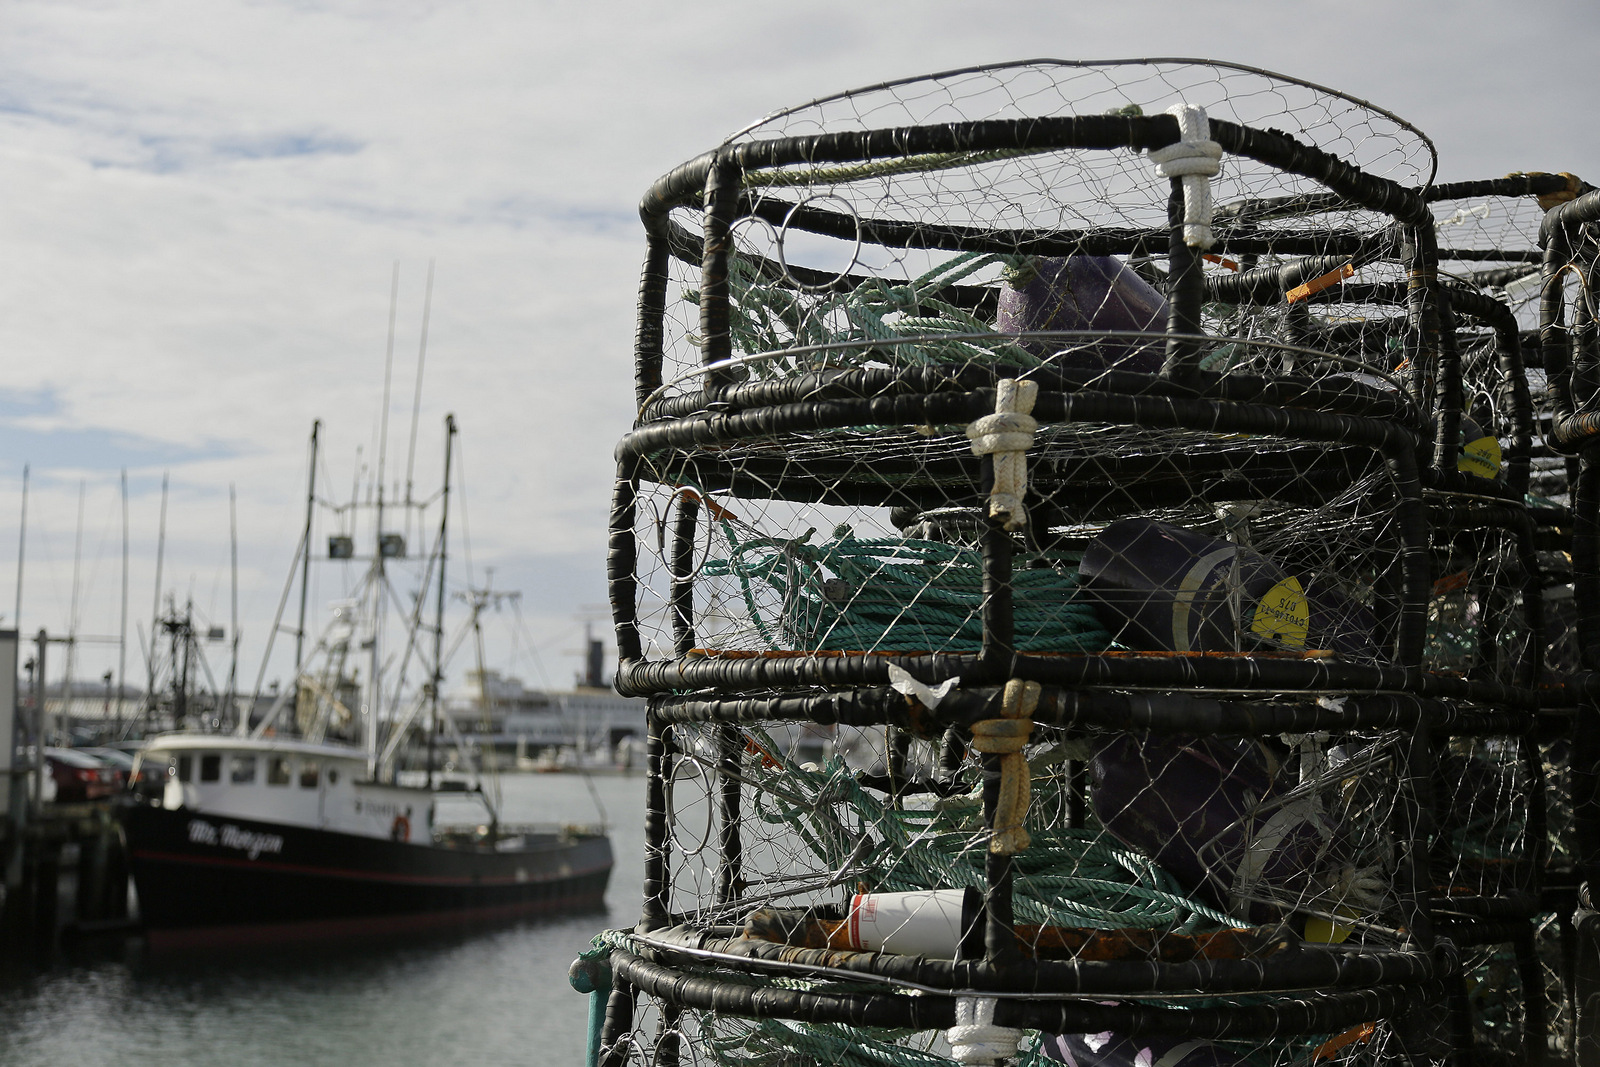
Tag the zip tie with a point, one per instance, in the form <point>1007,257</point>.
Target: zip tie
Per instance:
<point>975,1038</point>
<point>929,696</point>
<point>1306,290</point>
<point>1007,435</point>
<point>1196,158</point>
<point>1006,737</point>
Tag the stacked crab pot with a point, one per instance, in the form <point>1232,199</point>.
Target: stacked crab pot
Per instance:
<point>1078,555</point>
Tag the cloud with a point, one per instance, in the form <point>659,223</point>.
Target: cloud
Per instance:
<point>204,199</point>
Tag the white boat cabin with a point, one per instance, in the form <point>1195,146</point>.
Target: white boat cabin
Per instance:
<point>290,782</point>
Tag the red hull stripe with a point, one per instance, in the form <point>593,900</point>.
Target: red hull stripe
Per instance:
<point>356,876</point>
<point>206,937</point>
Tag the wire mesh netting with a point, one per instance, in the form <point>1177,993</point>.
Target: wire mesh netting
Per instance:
<point>1101,547</point>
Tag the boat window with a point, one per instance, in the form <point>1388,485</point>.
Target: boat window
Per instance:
<point>278,770</point>
<point>308,774</point>
<point>244,769</point>
<point>210,768</point>
<point>333,775</point>
<point>185,768</point>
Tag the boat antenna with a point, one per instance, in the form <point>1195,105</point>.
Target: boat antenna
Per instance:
<point>122,630</point>
<point>388,367</point>
<point>416,399</point>
<point>438,621</point>
<point>305,549</point>
<point>22,540</point>
<point>378,578</point>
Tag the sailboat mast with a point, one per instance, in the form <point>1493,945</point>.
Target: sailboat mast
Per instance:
<point>22,540</point>
<point>438,607</point>
<point>122,630</point>
<point>72,614</point>
<point>233,547</point>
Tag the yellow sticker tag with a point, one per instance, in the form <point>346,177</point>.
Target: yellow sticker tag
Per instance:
<point>1480,457</point>
<point>1282,615</point>
<point>1328,932</point>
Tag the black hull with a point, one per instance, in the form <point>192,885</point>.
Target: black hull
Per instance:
<point>237,876</point>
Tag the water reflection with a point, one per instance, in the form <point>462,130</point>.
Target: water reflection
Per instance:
<point>476,996</point>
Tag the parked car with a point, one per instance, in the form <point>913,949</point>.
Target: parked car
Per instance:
<point>79,776</point>
<point>121,761</point>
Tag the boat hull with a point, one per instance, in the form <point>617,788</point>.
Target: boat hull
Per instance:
<point>210,875</point>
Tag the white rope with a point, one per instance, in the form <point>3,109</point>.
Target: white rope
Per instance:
<point>1007,435</point>
<point>1196,158</point>
<point>975,1038</point>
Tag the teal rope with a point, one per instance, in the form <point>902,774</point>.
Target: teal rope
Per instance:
<point>766,317</point>
<point>901,595</point>
<point>1077,878</point>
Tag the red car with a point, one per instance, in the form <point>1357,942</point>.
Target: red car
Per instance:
<point>79,776</point>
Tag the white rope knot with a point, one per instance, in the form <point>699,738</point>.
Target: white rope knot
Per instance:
<point>975,1038</point>
<point>1196,158</point>
<point>1007,435</point>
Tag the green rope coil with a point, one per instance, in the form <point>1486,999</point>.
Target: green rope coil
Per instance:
<point>766,316</point>
<point>1076,878</point>
<point>901,595</point>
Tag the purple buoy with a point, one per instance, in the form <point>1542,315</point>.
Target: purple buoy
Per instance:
<point>1208,811</point>
<point>1099,293</point>
<point>1160,587</point>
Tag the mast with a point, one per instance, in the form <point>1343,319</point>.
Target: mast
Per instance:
<point>438,622</point>
<point>379,576</point>
<point>305,547</point>
<point>375,699</point>
<point>72,611</point>
<point>233,545</point>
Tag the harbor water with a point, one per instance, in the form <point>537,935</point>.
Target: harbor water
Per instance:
<point>485,996</point>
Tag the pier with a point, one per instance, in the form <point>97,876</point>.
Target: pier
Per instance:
<point>65,865</point>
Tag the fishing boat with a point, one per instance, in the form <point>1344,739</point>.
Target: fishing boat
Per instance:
<point>252,839</point>
<point>302,823</point>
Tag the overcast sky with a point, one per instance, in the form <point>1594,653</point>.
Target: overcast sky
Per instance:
<point>201,202</point>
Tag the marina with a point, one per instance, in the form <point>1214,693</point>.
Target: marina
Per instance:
<point>750,537</point>
<point>477,994</point>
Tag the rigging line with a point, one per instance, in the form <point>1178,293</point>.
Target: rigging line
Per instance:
<point>272,635</point>
<point>416,400</point>
<point>533,648</point>
<point>388,367</point>
<point>413,623</point>
<point>155,611</point>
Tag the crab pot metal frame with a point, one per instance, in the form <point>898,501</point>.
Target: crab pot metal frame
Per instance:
<point>700,436</point>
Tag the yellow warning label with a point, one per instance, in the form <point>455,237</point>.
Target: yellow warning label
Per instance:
<point>1328,932</point>
<point>1480,457</point>
<point>1282,614</point>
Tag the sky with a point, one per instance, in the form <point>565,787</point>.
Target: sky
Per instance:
<point>202,204</point>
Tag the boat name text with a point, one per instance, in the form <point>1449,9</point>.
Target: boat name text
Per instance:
<point>230,836</point>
